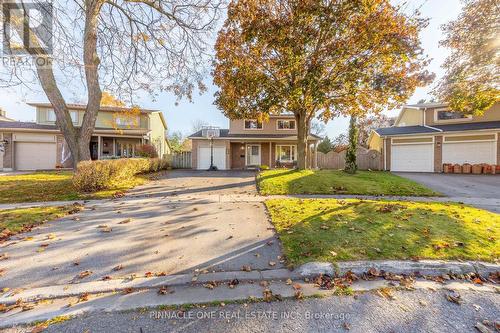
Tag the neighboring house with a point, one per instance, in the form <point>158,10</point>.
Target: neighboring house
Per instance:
<point>429,134</point>
<point>40,145</point>
<point>250,143</point>
<point>3,116</point>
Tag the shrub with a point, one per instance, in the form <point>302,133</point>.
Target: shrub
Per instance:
<point>264,167</point>
<point>146,150</point>
<point>93,176</point>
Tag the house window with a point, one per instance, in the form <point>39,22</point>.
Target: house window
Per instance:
<point>127,121</point>
<point>51,116</point>
<point>286,153</point>
<point>451,115</point>
<point>253,124</point>
<point>286,124</point>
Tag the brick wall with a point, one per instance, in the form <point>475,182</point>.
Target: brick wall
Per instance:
<point>388,154</point>
<point>438,153</point>
<point>8,157</point>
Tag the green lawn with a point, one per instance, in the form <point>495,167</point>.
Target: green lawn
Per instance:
<point>17,220</point>
<point>51,186</point>
<point>338,182</point>
<point>358,229</point>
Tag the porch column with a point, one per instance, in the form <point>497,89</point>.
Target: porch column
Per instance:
<point>98,147</point>
<point>114,147</point>
<point>270,155</point>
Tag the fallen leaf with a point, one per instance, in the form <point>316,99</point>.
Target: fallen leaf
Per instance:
<point>272,263</point>
<point>289,281</point>
<point>84,274</point>
<point>148,274</point>
<point>125,221</point>
<point>454,297</point>
<point>246,268</point>
<point>333,253</point>
<point>164,291</point>
<point>233,283</point>
<point>117,268</point>
<point>106,278</point>
<point>128,290</point>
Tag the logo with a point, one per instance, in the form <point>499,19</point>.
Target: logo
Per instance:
<point>27,28</point>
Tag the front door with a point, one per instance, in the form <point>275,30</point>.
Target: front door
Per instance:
<point>253,154</point>
<point>93,150</point>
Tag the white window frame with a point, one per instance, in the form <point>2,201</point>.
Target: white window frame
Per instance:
<point>127,121</point>
<point>437,120</point>
<point>286,129</point>
<point>51,116</point>
<point>247,156</point>
<point>293,153</point>
<point>252,129</point>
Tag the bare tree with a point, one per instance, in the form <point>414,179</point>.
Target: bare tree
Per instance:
<point>122,46</point>
<point>197,125</point>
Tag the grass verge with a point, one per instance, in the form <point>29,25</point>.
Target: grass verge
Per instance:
<point>338,182</point>
<point>53,186</point>
<point>331,230</point>
<point>13,221</point>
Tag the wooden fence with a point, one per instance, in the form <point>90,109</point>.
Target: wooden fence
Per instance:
<point>181,160</point>
<point>366,159</point>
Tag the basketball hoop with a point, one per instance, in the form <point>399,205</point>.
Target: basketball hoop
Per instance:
<point>211,132</point>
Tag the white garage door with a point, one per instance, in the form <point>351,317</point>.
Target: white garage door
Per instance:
<point>412,158</point>
<point>35,155</point>
<point>219,158</point>
<point>469,152</point>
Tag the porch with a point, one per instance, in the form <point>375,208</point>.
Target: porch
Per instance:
<point>105,147</point>
<point>274,154</point>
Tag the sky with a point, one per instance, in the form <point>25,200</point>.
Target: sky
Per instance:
<point>180,116</point>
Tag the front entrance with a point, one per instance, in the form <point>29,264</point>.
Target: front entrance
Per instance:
<point>253,154</point>
<point>93,150</point>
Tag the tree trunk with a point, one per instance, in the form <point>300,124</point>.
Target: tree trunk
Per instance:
<point>350,157</point>
<point>302,133</point>
<point>78,139</point>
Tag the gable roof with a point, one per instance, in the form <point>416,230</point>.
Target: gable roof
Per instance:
<point>224,134</point>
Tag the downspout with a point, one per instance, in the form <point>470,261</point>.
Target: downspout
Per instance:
<point>434,128</point>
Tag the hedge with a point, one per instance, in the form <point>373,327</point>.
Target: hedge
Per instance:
<point>94,176</point>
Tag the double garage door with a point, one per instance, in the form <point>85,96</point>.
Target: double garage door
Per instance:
<point>204,156</point>
<point>419,157</point>
<point>34,152</point>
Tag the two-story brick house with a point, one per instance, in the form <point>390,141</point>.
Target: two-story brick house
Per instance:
<point>427,135</point>
<point>250,143</point>
<point>40,145</point>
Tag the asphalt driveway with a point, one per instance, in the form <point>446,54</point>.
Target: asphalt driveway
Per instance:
<point>455,185</point>
<point>149,232</point>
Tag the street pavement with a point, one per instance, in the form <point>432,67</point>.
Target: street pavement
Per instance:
<point>408,311</point>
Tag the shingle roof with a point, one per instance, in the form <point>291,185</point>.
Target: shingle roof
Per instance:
<point>27,125</point>
<point>388,131</point>
<point>224,133</point>
<point>469,126</point>
<point>102,108</point>
<point>404,130</point>
<point>35,126</point>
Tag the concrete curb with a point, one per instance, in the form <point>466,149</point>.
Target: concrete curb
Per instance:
<point>308,270</point>
<point>424,267</point>
<point>142,283</point>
